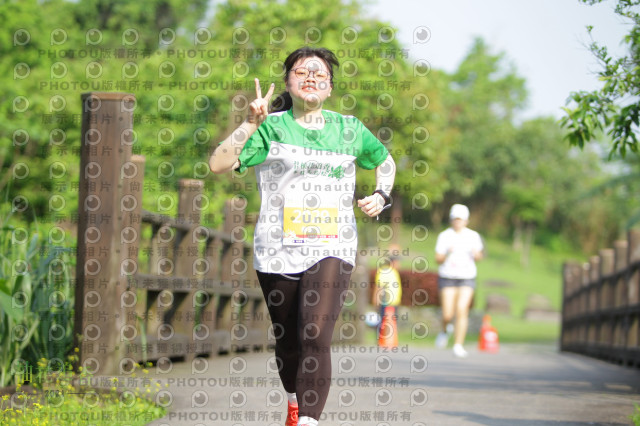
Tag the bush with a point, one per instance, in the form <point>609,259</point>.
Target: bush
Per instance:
<point>635,417</point>
<point>58,396</point>
<point>36,301</point>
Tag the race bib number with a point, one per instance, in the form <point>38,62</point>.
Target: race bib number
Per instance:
<point>309,220</point>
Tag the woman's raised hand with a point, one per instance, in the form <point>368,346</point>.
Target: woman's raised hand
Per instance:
<point>259,108</point>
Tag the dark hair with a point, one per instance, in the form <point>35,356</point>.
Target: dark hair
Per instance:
<point>283,101</point>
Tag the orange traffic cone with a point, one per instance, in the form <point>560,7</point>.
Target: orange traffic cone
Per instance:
<point>488,340</point>
<point>388,335</point>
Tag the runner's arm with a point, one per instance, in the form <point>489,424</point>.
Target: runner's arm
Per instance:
<point>225,157</point>
<point>385,176</point>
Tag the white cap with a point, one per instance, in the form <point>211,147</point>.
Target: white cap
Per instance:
<point>459,211</point>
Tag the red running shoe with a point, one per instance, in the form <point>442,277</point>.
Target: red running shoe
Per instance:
<point>292,415</point>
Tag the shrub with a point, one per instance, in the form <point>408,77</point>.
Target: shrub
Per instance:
<point>36,301</point>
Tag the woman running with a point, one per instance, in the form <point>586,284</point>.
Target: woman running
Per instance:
<point>305,240</point>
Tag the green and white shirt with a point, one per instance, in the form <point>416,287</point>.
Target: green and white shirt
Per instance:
<point>306,179</point>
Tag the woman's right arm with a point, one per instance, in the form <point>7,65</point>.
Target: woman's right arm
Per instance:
<point>225,157</point>
<point>440,258</point>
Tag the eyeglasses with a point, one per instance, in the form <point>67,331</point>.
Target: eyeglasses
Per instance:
<point>303,73</point>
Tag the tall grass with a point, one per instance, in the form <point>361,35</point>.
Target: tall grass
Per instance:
<point>36,301</point>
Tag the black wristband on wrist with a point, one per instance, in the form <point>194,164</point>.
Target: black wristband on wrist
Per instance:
<point>385,196</point>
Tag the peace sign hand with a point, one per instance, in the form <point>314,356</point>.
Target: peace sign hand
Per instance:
<point>259,108</point>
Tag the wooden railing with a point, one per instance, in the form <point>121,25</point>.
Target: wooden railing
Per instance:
<point>601,306</point>
<point>195,294</point>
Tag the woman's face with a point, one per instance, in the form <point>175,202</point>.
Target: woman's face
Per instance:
<point>309,82</point>
<point>458,224</point>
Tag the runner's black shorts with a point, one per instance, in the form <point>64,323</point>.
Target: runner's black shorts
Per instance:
<point>456,282</point>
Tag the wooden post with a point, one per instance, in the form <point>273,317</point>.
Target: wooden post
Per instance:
<point>607,267</point>
<point>186,259</point>
<point>212,253</point>
<point>572,278</point>
<point>225,313</point>
<point>594,268</point>
<point>255,315</point>
<point>620,291</point>
<point>606,270</point>
<point>234,225</point>
<point>360,285</point>
<point>133,300</point>
<point>234,270</point>
<point>584,303</point>
<point>107,118</point>
<point>564,331</point>
<point>584,300</point>
<point>607,262</point>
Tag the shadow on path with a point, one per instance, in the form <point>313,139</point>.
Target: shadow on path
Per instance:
<point>522,385</point>
<point>494,421</point>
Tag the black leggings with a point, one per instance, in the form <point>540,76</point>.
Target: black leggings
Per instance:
<point>304,308</point>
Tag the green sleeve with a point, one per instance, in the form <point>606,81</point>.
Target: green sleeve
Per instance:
<point>256,149</point>
<point>373,152</point>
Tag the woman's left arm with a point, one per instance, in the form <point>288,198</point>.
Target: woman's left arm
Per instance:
<point>373,204</point>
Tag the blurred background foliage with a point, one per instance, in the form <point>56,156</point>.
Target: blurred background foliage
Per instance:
<point>457,137</point>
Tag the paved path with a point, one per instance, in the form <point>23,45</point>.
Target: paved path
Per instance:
<point>522,385</point>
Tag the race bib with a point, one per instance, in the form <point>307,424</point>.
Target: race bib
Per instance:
<point>309,220</point>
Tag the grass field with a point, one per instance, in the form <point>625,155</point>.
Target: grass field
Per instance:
<point>501,272</point>
<point>510,330</point>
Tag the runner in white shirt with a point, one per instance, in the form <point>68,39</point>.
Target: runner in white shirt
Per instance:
<point>457,250</point>
<point>306,238</point>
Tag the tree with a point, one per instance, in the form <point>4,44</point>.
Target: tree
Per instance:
<point>615,107</point>
<point>483,95</point>
<point>213,59</point>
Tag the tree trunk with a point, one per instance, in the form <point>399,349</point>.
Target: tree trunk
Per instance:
<point>526,248</point>
<point>517,235</point>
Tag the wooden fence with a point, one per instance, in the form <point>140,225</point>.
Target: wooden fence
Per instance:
<point>601,306</point>
<point>196,293</point>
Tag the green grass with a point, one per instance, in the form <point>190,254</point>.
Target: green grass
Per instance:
<point>635,417</point>
<point>64,398</point>
<point>36,297</point>
<point>542,276</point>
<point>518,330</point>
<point>510,330</point>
